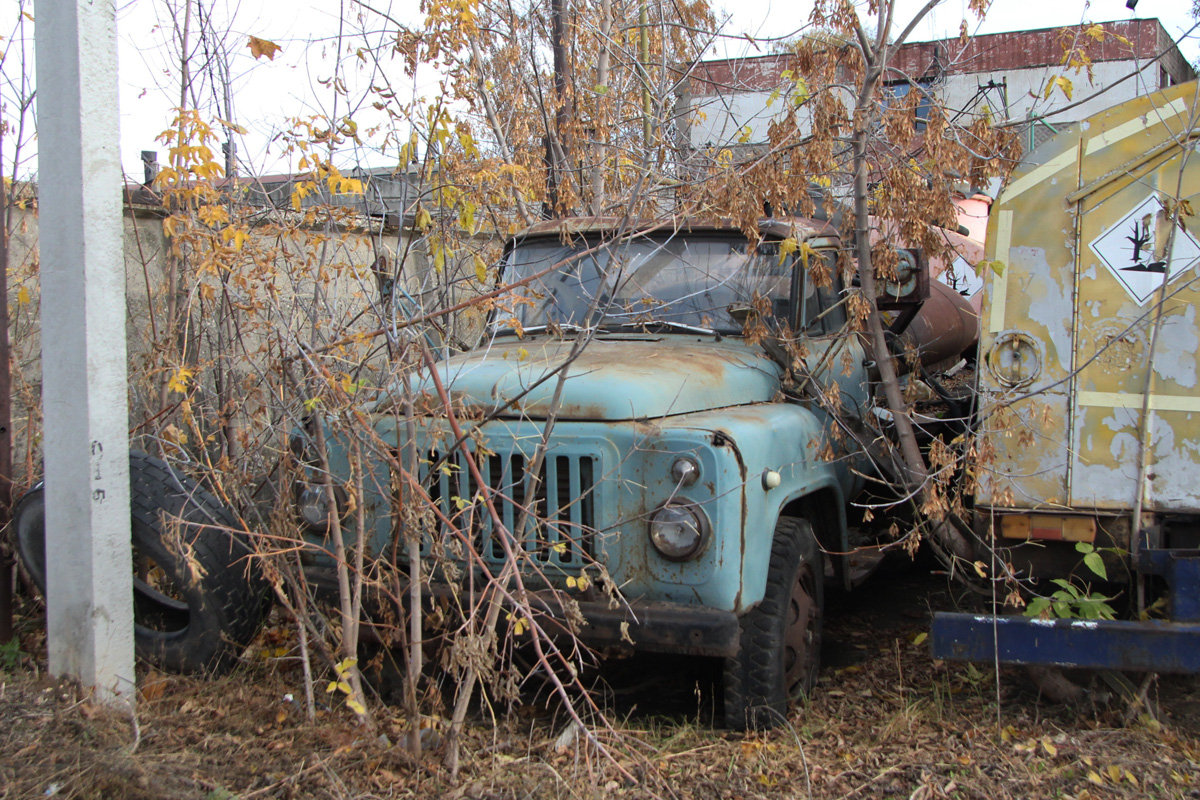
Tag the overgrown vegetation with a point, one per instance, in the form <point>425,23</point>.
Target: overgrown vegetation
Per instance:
<point>274,345</point>
<point>888,722</point>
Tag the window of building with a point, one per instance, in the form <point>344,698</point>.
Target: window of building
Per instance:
<point>896,91</point>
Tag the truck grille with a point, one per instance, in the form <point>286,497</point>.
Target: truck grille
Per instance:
<point>562,518</point>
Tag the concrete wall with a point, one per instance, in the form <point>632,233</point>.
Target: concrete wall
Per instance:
<point>307,286</point>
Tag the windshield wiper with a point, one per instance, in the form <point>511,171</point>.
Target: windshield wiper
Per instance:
<point>558,326</point>
<point>657,326</point>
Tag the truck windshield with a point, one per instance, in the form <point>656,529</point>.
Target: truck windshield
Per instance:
<point>667,283</point>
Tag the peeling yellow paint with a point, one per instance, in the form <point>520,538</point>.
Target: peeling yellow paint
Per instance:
<point>1158,402</point>
<point>999,285</point>
<point>1085,253</point>
<point>1041,174</point>
<point>1161,114</point>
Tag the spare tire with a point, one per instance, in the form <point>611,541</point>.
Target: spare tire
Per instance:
<point>198,594</point>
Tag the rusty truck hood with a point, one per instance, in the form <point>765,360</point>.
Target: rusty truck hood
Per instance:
<point>614,377</point>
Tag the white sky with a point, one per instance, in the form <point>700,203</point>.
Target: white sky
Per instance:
<point>268,92</point>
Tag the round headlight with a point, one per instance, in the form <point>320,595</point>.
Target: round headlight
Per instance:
<point>678,531</point>
<point>685,471</point>
<point>313,507</point>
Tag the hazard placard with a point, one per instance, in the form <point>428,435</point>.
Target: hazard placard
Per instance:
<point>1134,250</point>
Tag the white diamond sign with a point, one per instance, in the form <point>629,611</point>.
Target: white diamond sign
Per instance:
<point>1133,250</point>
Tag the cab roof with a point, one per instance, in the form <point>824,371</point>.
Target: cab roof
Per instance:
<point>770,227</point>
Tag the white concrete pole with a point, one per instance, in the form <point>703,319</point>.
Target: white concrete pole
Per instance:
<point>89,575</point>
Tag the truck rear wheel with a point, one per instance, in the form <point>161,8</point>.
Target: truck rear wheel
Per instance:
<point>198,596</point>
<point>780,649</point>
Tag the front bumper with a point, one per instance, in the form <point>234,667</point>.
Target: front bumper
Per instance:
<point>652,627</point>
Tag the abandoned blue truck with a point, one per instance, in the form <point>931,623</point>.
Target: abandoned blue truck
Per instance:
<point>689,473</point>
<point>653,423</point>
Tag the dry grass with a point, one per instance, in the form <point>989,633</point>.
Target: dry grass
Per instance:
<point>887,722</point>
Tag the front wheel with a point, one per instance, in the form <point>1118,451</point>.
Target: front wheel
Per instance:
<point>780,648</point>
<point>198,596</point>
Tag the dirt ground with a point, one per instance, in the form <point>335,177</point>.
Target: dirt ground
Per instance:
<point>886,722</point>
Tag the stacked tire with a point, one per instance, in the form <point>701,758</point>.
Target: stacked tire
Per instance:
<point>198,592</point>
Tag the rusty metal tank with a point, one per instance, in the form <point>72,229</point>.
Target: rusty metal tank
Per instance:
<point>943,330</point>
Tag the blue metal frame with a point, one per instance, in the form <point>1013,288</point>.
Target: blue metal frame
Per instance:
<point>1148,645</point>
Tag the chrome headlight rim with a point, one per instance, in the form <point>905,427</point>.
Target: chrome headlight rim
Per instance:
<point>313,508</point>
<point>690,514</point>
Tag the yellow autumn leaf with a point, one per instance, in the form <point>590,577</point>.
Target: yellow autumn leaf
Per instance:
<point>1065,85</point>
<point>560,548</point>
<point>173,434</point>
<point>235,236</point>
<point>520,624</point>
<point>342,185</point>
<point>233,126</point>
<point>466,216</point>
<point>920,637</point>
<point>179,381</point>
<point>468,144</point>
<point>807,254</point>
<point>213,215</point>
<point>300,191</point>
<point>345,665</point>
<point>356,707</point>
<point>263,47</point>
<point>981,569</point>
<point>332,687</point>
<point>22,295</point>
<point>787,247</point>
<point>422,220</point>
<point>480,269</point>
<point>1094,777</point>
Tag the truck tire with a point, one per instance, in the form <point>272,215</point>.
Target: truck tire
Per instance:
<point>198,598</point>
<point>780,648</point>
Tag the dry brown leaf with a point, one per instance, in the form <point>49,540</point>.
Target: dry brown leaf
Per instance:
<point>263,47</point>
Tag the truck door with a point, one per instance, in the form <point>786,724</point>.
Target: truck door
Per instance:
<point>1128,245</point>
<point>836,353</point>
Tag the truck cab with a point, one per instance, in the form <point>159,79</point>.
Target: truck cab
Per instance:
<point>653,453</point>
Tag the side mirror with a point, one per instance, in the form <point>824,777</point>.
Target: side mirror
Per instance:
<point>911,286</point>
